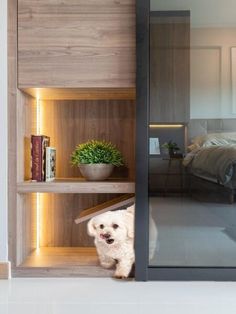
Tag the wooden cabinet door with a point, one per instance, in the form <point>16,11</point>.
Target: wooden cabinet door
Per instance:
<point>169,67</point>
<point>76,43</point>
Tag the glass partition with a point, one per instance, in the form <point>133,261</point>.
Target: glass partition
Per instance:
<point>192,134</point>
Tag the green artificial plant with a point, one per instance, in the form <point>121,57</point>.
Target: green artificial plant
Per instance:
<point>96,152</point>
<point>171,146</point>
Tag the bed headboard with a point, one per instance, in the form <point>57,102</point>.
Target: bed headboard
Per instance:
<point>198,127</point>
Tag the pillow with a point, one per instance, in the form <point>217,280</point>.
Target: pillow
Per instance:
<point>192,147</point>
<point>219,139</point>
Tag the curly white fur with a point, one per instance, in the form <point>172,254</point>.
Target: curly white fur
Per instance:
<point>114,239</point>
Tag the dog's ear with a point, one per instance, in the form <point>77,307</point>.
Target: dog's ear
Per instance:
<point>91,228</point>
<point>131,209</point>
<point>129,222</point>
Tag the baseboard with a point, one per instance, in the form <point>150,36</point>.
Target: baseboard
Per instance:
<point>5,270</point>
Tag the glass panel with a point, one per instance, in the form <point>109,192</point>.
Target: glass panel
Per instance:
<point>192,157</point>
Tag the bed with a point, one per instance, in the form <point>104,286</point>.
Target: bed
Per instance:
<point>211,157</point>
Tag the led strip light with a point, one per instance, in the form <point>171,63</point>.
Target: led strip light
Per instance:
<point>166,125</point>
<point>38,131</point>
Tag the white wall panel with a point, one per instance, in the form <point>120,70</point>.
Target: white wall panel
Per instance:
<point>205,83</point>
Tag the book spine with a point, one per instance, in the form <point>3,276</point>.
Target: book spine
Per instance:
<point>50,163</point>
<point>36,156</point>
<point>45,144</point>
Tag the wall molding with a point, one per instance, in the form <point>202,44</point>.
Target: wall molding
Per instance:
<point>220,85</point>
<point>5,270</point>
<point>233,77</point>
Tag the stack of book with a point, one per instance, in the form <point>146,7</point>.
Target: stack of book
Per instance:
<point>43,159</point>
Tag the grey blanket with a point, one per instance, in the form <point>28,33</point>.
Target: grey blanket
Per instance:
<point>215,161</point>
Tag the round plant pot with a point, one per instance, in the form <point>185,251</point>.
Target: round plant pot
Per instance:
<point>96,172</point>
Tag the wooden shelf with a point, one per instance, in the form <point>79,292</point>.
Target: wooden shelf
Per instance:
<point>81,93</point>
<point>62,262</point>
<point>61,257</point>
<point>76,186</point>
<point>115,203</point>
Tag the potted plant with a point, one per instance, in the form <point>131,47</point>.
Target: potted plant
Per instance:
<point>172,148</point>
<point>96,159</point>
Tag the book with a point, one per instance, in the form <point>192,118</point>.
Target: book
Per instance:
<point>50,163</point>
<point>38,156</point>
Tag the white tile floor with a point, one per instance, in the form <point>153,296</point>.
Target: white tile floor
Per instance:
<point>70,296</point>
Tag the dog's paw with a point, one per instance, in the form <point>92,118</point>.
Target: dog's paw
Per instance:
<point>120,277</point>
<point>107,265</point>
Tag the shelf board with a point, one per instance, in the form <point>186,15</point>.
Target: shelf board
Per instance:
<point>77,186</point>
<point>62,257</point>
<point>115,203</point>
<point>62,262</point>
<point>80,93</point>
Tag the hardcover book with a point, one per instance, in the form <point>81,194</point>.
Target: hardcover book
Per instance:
<point>38,156</point>
<point>50,163</point>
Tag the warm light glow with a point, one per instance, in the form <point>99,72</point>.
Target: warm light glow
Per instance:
<point>38,118</point>
<point>38,131</point>
<point>37,221</point>
<point>166,125</point>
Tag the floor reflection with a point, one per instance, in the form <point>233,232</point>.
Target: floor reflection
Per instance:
<point>193,233</point>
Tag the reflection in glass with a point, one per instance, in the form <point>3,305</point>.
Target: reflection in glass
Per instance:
<point>192,180</point>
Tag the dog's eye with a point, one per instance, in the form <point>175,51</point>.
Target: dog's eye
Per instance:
<point>101,226</point>
<point>115,226</point>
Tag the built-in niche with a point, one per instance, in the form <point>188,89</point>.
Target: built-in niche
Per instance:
<point>48,241</point>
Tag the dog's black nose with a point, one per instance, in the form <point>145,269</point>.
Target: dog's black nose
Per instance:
<point>107,235</point>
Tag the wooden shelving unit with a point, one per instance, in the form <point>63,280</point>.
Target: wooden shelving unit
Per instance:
<point>74,81</point>
<point>76,186</point>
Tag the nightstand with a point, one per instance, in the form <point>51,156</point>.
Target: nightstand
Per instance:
<point>174,168</point>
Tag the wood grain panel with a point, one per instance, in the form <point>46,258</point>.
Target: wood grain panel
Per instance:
<point>69,123</point>
<point>58,213</point>
<point>12,92</point>
<point>77,185</point>
<point>170,69</point>
<point>114,204</point>
<point>26,226</point>
<point>28,7</point>
<point>21,215</point>
<point>5,270</point>
<point>26,125</point>
<point>73,45</point>
<point>82,271</point>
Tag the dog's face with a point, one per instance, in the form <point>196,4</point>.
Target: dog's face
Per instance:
<point>112,227</point>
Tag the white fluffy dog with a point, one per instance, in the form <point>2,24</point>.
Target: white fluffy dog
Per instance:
<point>114,239</point>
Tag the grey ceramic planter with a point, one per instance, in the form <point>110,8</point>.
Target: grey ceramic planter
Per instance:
<point>96,172</point>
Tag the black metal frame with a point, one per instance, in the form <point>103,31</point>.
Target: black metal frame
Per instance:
<point>143,271</point>
<point>142,92</point>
